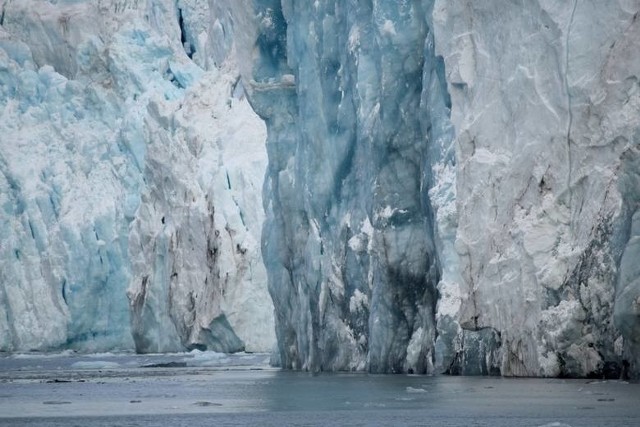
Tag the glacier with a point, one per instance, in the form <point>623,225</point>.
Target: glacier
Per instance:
<point>348,242</point>
<point>132,168</point>
<point>545,108</point>
<point>418,186</point>
<point>451,185</point>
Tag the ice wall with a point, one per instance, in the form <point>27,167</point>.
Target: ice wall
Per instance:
<point>451,185</point>
<point>132,166</point>
<point>361,190</point>
<point>348,242</point>
<point>545,108</point>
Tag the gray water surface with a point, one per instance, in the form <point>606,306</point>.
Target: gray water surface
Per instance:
<point>209,389</point>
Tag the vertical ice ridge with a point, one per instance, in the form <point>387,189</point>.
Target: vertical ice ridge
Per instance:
<point>569,106</point>
<point>348,242</point>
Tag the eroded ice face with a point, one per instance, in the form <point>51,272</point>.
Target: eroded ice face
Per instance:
<point>485,153</point>
<point>130,193</point>
<point>449,187</point>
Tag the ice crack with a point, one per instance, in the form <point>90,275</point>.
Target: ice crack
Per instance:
<point>570,113</point>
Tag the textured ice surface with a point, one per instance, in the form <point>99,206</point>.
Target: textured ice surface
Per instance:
<point>131,170</point>
<point>348,241</point>
<point>361,220</point>
<point>451,186</point>
<point>545,107</point>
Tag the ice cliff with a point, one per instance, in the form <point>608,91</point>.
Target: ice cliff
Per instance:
<point>452,186</point>
<point>130,187</point>
<point>349,244</point>
<point>545,106</point>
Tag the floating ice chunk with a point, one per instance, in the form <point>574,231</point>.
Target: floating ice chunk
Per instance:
<point>95,364</point>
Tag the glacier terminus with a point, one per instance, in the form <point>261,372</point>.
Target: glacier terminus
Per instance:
<point>413,186</point>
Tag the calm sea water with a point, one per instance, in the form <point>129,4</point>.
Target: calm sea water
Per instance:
<point>209,389</point>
